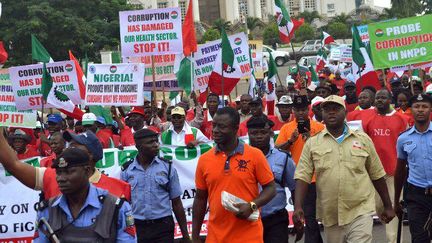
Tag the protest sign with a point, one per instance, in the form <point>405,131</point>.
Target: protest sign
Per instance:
<point>9,115</point>
<point>115,84</point>
<point>17,208</point>
<point>401,42</point>
<point>335,53</point>
<point>256,47</point>
<point>345,54</point>
<point>412,67</point>
<point>151,32</point>
<point>164,66</point>
<point>364,35</point>
<point>27,81</point>
<point>206,55</point>
<point>167,85</point>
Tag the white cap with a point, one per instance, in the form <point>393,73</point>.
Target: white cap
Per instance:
<point>38,124</point>
<point>238,98</point>
<point>317,100</point>
<point>415,78</point>
<point>285,100</point>
<point>429,89</point>
<point>88,119</point>
<point>289,80</point>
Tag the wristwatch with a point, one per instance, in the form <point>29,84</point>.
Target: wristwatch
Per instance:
<point>253,206</point>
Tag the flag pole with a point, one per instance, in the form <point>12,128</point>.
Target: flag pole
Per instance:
<point>303,85</point>
<point>410,79</point>
<point>222,82</point>
<point>154,84</point>
<point>192,81</point>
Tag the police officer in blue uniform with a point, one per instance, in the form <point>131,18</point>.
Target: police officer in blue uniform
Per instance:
<point>274,215</point>
<point>414,150</point>
<point>83,213</point>
<point>155,186</point>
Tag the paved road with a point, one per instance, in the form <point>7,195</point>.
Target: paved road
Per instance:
<point>378,235</point>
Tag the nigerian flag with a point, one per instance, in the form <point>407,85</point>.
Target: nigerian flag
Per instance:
<point>39,53</point>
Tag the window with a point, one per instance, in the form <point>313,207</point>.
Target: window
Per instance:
<point>310,5</point>
<point>162,5</point>
<point>330,7</point>
<point>183,9</point>
<point>243,8</point>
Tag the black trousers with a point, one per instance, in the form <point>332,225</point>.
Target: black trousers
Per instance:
<point>276,227</point>
<point>419,208</point>
<point>155,231</point>
<point>312,229</point>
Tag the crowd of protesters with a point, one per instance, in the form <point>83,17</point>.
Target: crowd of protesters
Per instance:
<point>345,152</point>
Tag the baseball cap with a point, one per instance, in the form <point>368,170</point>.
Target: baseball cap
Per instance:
<point>334,99</point>
<point>312,87</point>
<point>323,86</point>
<point>394,80</point>
<point>420,98</point>
<point>178,111</point>
<point>255,100</point>
<point>71,157</point>
<point>259,122</point>
<point>416,78</point>
<point>317,100</point>
<point>285,100</point>
<point>238,98</point>
<point>300,101</point>
<point>349,84</point>
<point>88,119</point>
<point>38,125</point>
<point>429,89</point>
<point>87,139</point>
<point>101,120</point>
<point>289,80</point>
<point>18,133</point>
<point>56,118</point>
<point>136,110</point>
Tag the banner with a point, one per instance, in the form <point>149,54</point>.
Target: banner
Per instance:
<point>164,66</point>
<point>17,213</point>
<point>10,116</point>
<point>167,85</point>
<point>206,55</point>
<point>256,47</point>
<point>17,208</point>
<point>27,81</point>
<point>422,65</point>
<point>364,35</point>
<point>115,84</point>
<point>401,42</point>
<point>151,32</point>
<point>345,54</point>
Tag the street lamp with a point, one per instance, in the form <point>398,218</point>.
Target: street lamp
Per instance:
<point>244,15</point>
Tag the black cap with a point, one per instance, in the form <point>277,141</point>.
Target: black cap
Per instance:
<point>71,157</point>
<point>300,101</point>
<point>259,122</point>
<point>323,86</point>
<point>349,84</point>
<point>420,98</point>
<point>256,100</point>
<point>144,133</point>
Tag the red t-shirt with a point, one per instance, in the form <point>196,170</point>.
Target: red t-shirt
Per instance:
<point>384,132</point>
<point>360,114</point>
<point>207,126</point>
<point>30,152</point>
<point>126,137</point>
<point>104,136</point>
<point>114,186</point>
<point>351,107</point>
<point>340,84</point>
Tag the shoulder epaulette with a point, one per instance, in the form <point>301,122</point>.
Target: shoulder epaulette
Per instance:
<point>126,165</point>
<point>165,160</point>
<point>409,128</point>
<point>285,152</point>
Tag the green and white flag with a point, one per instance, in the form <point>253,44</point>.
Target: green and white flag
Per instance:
<point>271,81</point>
<point>183,71</point>
<point>39,53</point>
<point>53,96</point>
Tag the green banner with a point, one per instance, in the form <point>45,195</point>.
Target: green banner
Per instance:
<point>401,42</point>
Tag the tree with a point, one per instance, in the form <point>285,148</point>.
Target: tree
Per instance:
<point>221,23</point>
<point>305,32</point>
<point>339,30</point>
<point>61,26</point>
<point>426,6</point>
<point>406,8</point>
<point>342,18</point>
<point>210,35</point>
<point>309,16</point>
<point>271,34</point>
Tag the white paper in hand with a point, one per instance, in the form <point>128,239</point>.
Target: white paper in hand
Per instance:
<point>228,201</point>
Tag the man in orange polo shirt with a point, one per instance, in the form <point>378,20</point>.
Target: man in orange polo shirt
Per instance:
<point>236,168</point>
<point>292,138</point>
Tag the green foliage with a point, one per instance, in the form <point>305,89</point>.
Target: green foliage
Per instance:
<point>426,6</point>
<point>342,18</point>
<point>339,30</point>
<point>221,23</point>
<point>309,16</point>
<point>210,35</point>
<point>79,26</point>
<point>271,34</point>
<point>304,32</point>
<point>405,8</point>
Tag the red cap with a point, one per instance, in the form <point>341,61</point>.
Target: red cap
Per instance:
<point>136,110</point>
<point>322,75</point>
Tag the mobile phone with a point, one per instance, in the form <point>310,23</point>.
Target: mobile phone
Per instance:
<point>303,126</point>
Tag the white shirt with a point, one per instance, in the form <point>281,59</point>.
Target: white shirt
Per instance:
<point>179,138</point>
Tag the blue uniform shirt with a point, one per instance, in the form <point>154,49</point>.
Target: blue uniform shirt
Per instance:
<point>88,213</point>
<point>416,149</point>
<point>276,160</point>
<point>151,189</point>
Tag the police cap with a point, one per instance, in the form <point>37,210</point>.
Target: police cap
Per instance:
<point>71,157</point>
<point>300,101</point>
<point>259,122</point>
<point>420,98</point>
<point>144,133</point>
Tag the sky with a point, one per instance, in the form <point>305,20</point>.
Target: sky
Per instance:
<point>382,3</point>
